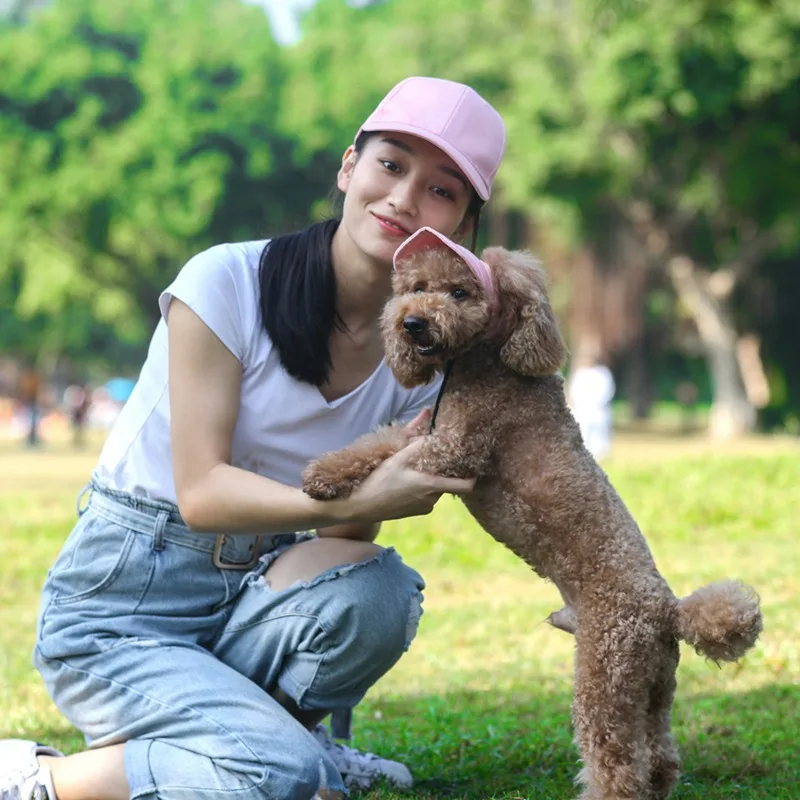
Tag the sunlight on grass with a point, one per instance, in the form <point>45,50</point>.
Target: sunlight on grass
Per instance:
<point>480,705</point>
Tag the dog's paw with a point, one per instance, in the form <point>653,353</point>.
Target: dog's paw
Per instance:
<point>322,482</point>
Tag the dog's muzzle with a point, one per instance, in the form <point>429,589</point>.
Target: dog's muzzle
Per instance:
<point>418,330</point>
<point>415,326</point>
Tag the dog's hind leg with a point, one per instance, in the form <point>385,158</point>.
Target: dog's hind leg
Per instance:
<point>665,763</point>
<point>609,717</point>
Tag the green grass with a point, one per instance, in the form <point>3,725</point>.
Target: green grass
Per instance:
<point>479,707</point>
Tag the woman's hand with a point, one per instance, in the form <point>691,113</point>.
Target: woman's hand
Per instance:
<point>421,424</point>
<point>395,490</point>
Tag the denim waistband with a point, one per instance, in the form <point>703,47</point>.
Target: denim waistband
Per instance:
<point>146,505</point>
<point>161,518</point>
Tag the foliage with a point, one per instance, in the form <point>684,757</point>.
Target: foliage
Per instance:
<point>682,106</point>
<point>134,135</point>
<point>131,136</point>
<point>674,120</point>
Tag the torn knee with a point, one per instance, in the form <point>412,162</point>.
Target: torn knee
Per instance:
<point>414,617</point>
<point>308,560</point>
<point>371,621</point>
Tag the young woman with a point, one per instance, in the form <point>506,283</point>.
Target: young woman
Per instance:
<point>190,628</point>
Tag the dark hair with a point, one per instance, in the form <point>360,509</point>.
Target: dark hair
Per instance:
<point>298,292</point>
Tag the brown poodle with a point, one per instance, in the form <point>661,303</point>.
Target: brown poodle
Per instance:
<point>503,418</point>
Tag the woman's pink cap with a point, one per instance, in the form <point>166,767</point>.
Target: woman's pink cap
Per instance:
<point>428,238</point>
<point>451,116</point>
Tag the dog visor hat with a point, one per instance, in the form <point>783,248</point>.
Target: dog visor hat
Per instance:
<point>428,238</point>
<point>451,116</point>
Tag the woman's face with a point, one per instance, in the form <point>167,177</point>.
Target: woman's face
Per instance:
<point>396,185</point>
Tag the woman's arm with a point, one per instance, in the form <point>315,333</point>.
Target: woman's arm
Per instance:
<point>204,384</point>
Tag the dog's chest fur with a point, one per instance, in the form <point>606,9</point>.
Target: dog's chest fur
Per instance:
<point>539,491</point>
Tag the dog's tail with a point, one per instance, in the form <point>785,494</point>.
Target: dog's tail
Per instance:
<point>721,620</point>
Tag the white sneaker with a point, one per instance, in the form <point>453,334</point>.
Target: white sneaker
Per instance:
<point>361,770</point>
<point>21,775</point>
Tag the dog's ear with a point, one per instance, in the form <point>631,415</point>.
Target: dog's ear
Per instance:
<point>531,341</point>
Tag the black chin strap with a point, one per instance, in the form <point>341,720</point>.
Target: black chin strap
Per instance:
<point>447,367</point>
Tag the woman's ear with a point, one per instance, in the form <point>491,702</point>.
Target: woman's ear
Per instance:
<point>346,170</point>
<point>533,344</point>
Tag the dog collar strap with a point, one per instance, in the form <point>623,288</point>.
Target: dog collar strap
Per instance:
<point>448,366</point>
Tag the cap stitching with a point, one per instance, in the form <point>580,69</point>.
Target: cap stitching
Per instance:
<point>456,107</point>
<point>449,119</point>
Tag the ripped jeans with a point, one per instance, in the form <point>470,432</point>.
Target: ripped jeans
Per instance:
<point>148,635</point>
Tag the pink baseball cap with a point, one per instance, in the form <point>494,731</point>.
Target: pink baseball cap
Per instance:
<point>427,238</point>
<point>451,116</point>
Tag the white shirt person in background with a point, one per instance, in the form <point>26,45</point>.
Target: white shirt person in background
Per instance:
<point>590,390</point>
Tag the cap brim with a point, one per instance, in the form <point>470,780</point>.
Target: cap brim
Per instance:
<point>472,174</point>
<point>426,238</point>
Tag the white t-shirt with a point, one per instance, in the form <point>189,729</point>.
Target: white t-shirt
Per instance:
<point>282,423</point>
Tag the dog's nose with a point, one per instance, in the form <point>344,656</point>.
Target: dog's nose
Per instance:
<point>415,325</point>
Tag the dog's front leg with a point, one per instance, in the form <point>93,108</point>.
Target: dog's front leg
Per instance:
<point>338,474</point>
<point>453,452</point>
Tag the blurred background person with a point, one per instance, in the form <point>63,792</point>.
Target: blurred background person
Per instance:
<point>590,390</point>
<point>28,392</point>
<point>78,399</point>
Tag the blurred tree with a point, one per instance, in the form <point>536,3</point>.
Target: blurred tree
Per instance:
<point>664,130</point>
<point>679,119</point>
<point>131,136</point>
<point>350,56</point>
<point>655,140</point>
<point>74,336</point>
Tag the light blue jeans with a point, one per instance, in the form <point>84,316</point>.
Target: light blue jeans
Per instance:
<point>143,639</point>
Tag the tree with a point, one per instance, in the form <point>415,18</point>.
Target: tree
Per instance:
<point>680,116</point>
<point>131,136</point>
<point>668,125</point>
<point>349,57</point>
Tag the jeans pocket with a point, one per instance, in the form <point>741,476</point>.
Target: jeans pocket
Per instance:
<point>92,560</point>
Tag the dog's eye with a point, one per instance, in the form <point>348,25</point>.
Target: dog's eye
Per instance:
<point>419,288</point>
<point>459,294</point>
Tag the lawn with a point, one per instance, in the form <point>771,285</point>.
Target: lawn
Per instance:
<point>479,708</point>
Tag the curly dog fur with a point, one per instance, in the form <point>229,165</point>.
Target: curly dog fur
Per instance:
<point>504,419</point>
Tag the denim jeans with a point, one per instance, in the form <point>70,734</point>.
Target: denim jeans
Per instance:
<point>148,636</point>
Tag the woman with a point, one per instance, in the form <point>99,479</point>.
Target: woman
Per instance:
<point>199,664</point>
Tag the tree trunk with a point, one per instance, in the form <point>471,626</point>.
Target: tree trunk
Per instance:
<point>637,380</point>
<point>732,413</point>
<point>756,384</point>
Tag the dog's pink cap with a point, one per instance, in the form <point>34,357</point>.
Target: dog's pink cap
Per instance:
<point>427,238</point>
<point>451,116</point>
